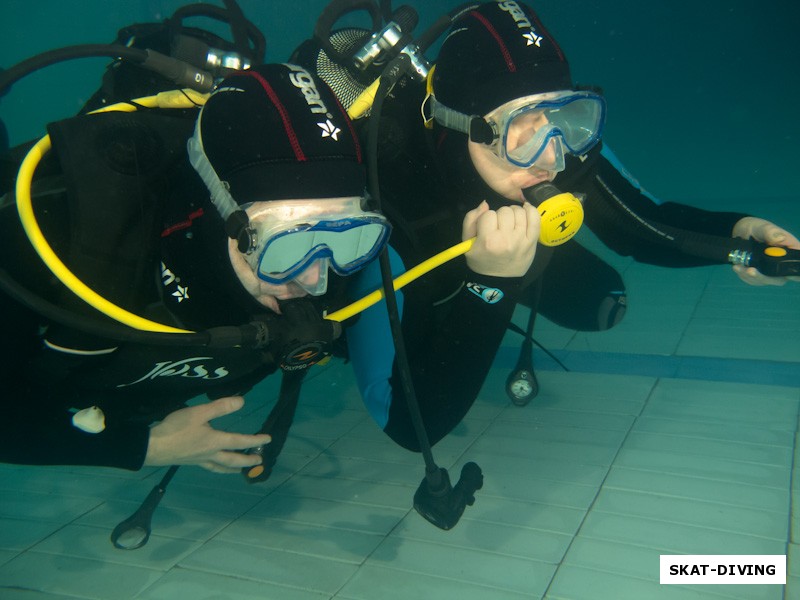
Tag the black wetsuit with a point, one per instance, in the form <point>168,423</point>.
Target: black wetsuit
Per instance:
<point>165,271</point>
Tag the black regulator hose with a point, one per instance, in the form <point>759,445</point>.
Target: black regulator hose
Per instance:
<point>177,71</point>
<point>436,499</point>
<point>441,25</point>
<point>247,38</point>
<point>252,335</point>
<point>389,78</point>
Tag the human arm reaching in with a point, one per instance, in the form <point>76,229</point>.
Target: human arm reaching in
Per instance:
<point>625,217</point>
<point>185,437</point>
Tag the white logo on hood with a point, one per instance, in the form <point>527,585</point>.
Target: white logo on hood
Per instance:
<point>330,130</point>
<point>302,80</point>
<point>532,39</point>
<point>516,12</point>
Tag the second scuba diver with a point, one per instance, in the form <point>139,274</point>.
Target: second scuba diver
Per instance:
<point>500,115</point>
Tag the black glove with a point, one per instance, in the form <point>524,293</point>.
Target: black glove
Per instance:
<point>300,336</point>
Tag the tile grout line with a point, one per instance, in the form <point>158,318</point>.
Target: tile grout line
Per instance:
<point>791,497</point>
<point>695,309</point>
<point>409,511</point>
<point>600,487</point>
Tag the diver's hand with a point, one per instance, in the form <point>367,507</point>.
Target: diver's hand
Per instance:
<point>184,437</point>
<point>768,233</point>
<point>506,239</point>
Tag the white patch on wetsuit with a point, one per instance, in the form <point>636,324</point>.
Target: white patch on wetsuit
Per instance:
<point>489,295</point>
<point>90,420</point>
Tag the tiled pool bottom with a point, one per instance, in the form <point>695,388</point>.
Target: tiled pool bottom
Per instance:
<point>583,490</point>
<point>674,433</point>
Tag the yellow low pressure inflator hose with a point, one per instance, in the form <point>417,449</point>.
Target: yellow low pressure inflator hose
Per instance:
<point>171,99</point>
<point>49,257</point>
<point>364,102</point>
<point>402,280</point>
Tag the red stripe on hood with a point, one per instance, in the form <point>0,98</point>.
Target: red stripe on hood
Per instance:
<point>503,49</point>
<point>287,123</point>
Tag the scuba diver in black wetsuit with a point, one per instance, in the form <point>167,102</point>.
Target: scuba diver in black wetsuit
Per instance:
<point>500,115</point>
<point>143,233</point>
<point>125,205</point>
<point>134,221</point>
<point>128,209</point>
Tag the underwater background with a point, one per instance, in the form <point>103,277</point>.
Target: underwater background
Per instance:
<point>703,96</point>
<point>673,433</point>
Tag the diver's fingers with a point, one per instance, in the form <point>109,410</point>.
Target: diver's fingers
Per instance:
<point>752,276</point>
<point>533,222</point>
<point>506,219</point>
<point>469,227</point>
<point>769,233</point>
<point>240,441</point>
<point>764,231</point>
<point>235,460</point>
<point>487,224</point>
<point>215,468</point>
<point>217,408</point>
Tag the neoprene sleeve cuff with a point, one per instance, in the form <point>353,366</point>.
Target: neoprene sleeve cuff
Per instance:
<point>123,446</point>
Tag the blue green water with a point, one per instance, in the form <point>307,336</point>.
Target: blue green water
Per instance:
<point>702,95</point>
<point>673,433</point>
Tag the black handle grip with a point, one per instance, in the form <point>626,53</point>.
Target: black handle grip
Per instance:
<point>775,261</point>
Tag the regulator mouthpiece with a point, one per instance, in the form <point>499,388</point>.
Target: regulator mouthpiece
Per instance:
<point>562,213</point>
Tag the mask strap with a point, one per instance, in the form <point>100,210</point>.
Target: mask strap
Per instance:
<point>478,129</point>
<point>237,224</point>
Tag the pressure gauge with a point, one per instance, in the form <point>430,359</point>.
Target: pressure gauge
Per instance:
<point>521,387</point>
